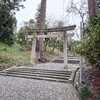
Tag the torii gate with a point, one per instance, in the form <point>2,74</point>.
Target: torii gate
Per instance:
<point>58,29</point>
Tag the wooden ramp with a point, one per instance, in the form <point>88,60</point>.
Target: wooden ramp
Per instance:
<point>39,74</point>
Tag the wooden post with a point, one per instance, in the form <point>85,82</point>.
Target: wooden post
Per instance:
<point>33,50</point>
<point>65,50</point>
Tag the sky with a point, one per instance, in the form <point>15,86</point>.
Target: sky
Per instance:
<point>56,10</point>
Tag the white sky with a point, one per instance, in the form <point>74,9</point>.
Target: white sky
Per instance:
<point>54,11</point>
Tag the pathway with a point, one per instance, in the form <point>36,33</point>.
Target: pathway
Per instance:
<point>14,88</point>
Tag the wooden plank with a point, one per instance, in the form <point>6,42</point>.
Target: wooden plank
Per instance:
<point>49,36</point>
<point>46,36</point>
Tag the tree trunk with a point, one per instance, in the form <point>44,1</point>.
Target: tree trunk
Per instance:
<point>37,45</point>
<point>92,7</point>
<point>42,25</point>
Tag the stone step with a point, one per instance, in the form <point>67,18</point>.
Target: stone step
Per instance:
<point>41,70</point>
<point>40,73</point>
<point>70,61</point>
<point>36,77</point>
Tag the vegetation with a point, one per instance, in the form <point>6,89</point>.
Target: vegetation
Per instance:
<point>90,50</point>
<point>11,55</point>
<point>7,22</point>
<point>9,50</point>
<point>21,35</point>
<point>7,19</point>
<point>12,4</point>
<point>54,44</point>
<point>90,47</point>
<point>73,46</point>
<point>84,92</point>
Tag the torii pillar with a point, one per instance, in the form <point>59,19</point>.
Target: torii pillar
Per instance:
<point>33,55</point>
<point>65,50</point>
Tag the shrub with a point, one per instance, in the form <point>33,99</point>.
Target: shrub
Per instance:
<point>90,47</point>
<point>84,92</point>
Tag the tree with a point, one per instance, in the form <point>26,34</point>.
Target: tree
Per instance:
<point>40,24</point>
<point>90,47</point>
<point>42,17</point>
<point>13,4</point>
<point>7,22</point>
<point>22,33</point>
<point>73,45</point>
<point>79,10</point>
<point>92,7</point>
<point>7,19</point>
<point>37,17</point>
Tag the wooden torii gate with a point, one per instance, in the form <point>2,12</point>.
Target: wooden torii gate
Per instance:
<point>58,29</point>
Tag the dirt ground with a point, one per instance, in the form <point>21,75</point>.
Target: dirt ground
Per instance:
<point>91,77</point>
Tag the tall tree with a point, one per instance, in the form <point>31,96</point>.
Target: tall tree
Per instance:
<point>22,33</point>
<point>42,17</point>
<point>90,47</point>
<point>7,22</point>
<point>7,19</point>
<point>80,10</point>
<point>37,26</point>
<point>92,6</point>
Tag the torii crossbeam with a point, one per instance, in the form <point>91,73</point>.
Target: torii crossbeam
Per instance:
<point>58,29</point>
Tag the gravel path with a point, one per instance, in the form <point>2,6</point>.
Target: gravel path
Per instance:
<point>12,88</point>
<point>53,66</point>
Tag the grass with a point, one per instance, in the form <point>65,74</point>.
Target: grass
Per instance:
<point>12,54</point>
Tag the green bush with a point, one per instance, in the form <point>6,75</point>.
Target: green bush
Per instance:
<point>90,46</point>
<point>22,33</point>
<point>84,92</point>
